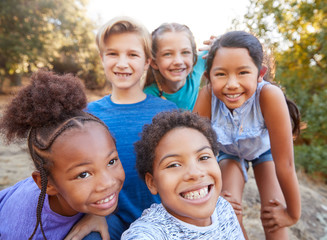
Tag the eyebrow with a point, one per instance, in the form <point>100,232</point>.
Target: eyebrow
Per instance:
<point>128,50</point>
<point>109,49</point>
<point>169,49</point>
<point>176,155</point>
<point>88,162</point>
<point>239,68</point>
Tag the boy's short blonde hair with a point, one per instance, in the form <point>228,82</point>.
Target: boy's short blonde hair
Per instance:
<point>120,25</point>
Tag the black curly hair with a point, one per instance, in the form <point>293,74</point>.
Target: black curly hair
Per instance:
<point>41,112</point>
<point>161,124</point>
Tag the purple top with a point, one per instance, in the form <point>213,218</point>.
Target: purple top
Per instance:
<point>18,214</point>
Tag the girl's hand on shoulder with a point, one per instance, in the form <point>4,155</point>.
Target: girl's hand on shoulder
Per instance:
<point>275,216</point>
<point>89,223</point>
<point>207,44</point>
<point>235,204</point>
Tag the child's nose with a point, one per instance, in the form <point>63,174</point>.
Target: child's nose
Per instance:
<point>104,181</point>
<point>194,172</point>
<point>232,82</point>
<point>122,62</point>
<point>178,59</point>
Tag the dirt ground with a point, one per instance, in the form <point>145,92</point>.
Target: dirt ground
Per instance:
<point>15,165</point>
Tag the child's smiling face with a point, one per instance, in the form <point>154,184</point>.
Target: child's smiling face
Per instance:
<point>174,59</point>
<point>186,175</point>
<point>124,60</point>
<point>234,76</point>
<point>87,174</point>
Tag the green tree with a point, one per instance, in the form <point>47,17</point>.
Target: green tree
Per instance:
<point>296,32</point>
<point>55,34</point>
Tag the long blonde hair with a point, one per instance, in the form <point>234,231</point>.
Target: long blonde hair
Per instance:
<point>155,75</point>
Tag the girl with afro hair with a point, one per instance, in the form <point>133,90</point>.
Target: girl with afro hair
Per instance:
<point>77,165</point>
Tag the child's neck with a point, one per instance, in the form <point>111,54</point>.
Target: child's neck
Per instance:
<point>172,87</point>
<point>129,96</point>
<point>196,222</point>
<point>60,206</point>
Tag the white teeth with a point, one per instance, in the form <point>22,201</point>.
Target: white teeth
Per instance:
<point>177,70</point>
<point>196,194</point>
<point>123,74</point>
<point>233,95</point>
<point>106,199</point>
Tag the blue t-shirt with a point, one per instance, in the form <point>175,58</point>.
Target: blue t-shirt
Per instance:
<point>18,214</point>
<point>125,122</point>
<point>185,97</point>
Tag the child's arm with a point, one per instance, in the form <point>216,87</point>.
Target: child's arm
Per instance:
<point>203,103</point>
<point>277,119</point>
<point>89,223</point>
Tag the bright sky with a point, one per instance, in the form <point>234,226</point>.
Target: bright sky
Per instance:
<point>204,18</point>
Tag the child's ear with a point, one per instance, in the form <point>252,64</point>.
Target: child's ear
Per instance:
<point>206,75</point>
<point>100,55</point>
<point>147,64</point>
<point>262,73</point>
<point>154,64</point>
<point>150,183</point>
<point>51,189</point>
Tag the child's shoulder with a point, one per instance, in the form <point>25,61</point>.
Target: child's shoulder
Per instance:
<point>99,106</point>
<point>22,187</point>
<point>222,203</point>
<point>225,212</point>
<point>149,226</point>
<point>152,89</point>
<point>25,190</point>
<point>224,209</point>
<point>270,93</point>
<point>161,102</point>
<point>152,215</point>
<point>99,101</point>
<point>155,216</point>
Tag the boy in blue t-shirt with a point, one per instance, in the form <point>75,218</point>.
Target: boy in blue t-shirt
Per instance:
<point>125,51</point>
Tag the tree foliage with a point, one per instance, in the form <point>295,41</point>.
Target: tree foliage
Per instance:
<point>46,33</point>
<point>296,31</point>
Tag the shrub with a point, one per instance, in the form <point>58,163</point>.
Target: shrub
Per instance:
<point>313,159</point>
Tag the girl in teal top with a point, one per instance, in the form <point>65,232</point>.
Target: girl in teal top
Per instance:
<point>176,70</point>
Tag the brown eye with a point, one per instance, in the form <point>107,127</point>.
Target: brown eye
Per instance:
<point>112,161</point>
<point>244,72</point>
<point>219,74</point>
<point>203,158</point>
<point>173,165</point>
<point>83,175</point>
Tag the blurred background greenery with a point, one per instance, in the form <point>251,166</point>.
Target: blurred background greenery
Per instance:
<point>296,34</point>
<point>55,34</point>
<point>59,35</point>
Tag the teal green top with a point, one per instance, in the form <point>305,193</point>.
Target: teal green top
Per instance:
<point>185,97</point>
